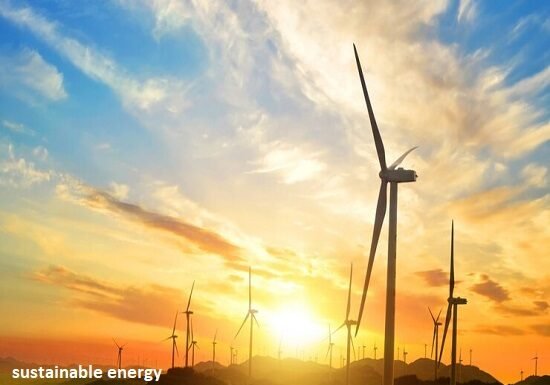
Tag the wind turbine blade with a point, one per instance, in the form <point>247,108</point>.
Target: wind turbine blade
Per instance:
<point>166,339</point>
<point>447,321</point>
<point>400,159</point>
<point>249,288</point>
<point>375,132</point>
<point>190,294</point>
<point>438,314</point>
<point>378,221</point>
<point>191,330</point>
<point>116,343</point>
<point>452,277</point>
<point>353,348</point>
<point>245,319</point>
<point>339,327</point>
<point>176,346</point>
<point>215,335</point>
<point>349,293</point>
<point>175,319</point>
<point>430,310</point>
<point>328,351</point>
<point>329,335</point>
<point>255,320</point>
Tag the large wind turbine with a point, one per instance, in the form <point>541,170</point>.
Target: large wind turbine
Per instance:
<point>192,346</point>
<point>452,306</point>
<point>188,314</point>
<point>435,339</point>
<point>394,177</point>
<point>330,346</point>
<point>173,337</point>
<point>120,348</point>
<point>348,324</point>
<point>252,314</point>
<point>536,358</point>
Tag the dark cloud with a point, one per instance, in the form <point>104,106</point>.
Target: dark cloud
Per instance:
<point>542,329</point>
<point>204,239</point>
<point>500,330</point>
<point>541,305</point>
<point>518,311</point>
<point>149,304</point>
<point>491,289</point>
<point>435,277</point>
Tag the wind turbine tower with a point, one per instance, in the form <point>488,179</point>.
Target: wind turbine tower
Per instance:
<point>470,357</point>
<point>330,347</point>
<point>375,349</point>
<point>214,349</point>
<point>392,176</point>
<point>188,312</point>
<point>536,358</point>
<point>453,303</point>
<point>252,314</point>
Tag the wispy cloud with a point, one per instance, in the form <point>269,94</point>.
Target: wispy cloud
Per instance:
<point>27,72</point>
<point>435,277</point>
<point>491,289</point>
<point>18,171</point>
<point>18,128</point>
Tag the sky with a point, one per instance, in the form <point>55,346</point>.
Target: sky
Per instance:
<point>145,145</point>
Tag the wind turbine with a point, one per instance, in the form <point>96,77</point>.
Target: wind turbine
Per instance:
<point>330,346</point>
<point>119,360</point>
<point>392,176</point>
<point>173,337</point>
<point>192,346</point>
<point>214,349</point>
<point>470,357</point>
<point>435,339</point>
<point>536,358</point>
<point>188,314</point>
<point>231,348</point>
<point>364,346</point>
<point>405,355</point>
<point>252,314</point>
<point>521,374</point>
<point>348,324</point>
<point>453,303</point>
<point>375,348</point>
<point>459,365</point>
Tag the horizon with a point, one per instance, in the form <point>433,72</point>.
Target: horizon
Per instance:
<point>148,145</point>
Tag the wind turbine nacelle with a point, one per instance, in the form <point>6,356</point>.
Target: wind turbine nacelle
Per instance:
<point>400,175</point>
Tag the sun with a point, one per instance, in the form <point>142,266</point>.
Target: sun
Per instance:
<point>296,325</point>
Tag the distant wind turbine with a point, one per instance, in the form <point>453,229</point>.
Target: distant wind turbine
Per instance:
<point>252,314</point>
<point>435,338</point>
<point>214,349</point>
<point>536,358</point>
<point>193,345</point>
<point>470,357</point>
<point>375,348</point>
<point>348,323</point>
<point>120,348</point>
<point>453,303</point>
<point>405,355</point>
<point>459,365</point>
<point>231,348</point>
<point>173,338</point>
<point>521,374</point>
<point>330,346</point>
<point>394,177</point>
<point>188,312</point>
<point>364,346</point>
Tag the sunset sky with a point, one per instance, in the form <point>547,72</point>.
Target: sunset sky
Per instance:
<point>148,144</point>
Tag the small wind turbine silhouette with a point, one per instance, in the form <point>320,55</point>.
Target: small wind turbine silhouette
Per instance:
<point>348,324</point>
<point>193,345</point>
<point>252,314</point>
<point>459,365</point>
<point>521,374</point>
<point>119,360</point>
<point>452,306</point>
<point>375,348</point>
<point>188,314</point>
<point>173,337</point>
<point>231,348</point>
<point>364,346</point>
<point>435,339</point>
<point>394,177</point>
<point>470,357</point>
<point>536,358</point>
<point>405,355</point>
<point>330,346</point>
<point>214,349</point>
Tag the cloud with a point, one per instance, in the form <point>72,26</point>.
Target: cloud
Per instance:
<point>27,70</point>
<point>202,238</point>
<point>541,305</point>
<point>147,304</point>
<point>535,175</point>
<point>159,94</point>
<point>501,330</point>
<point>491,289</point>
<point>435,277</point>
<point>19,172</point>
<point>542,329</point>
<point>467,11</point>
<point>18,128</point>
